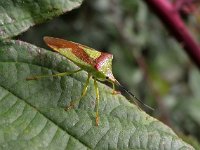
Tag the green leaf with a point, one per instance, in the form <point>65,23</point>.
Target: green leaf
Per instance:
<point>32,113</point>
<point>18,15</point>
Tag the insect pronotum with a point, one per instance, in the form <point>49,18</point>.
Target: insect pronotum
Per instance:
<point>97,64</point>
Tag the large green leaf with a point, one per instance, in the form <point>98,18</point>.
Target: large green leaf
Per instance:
<point>32,113</point>
<point>17,16</point>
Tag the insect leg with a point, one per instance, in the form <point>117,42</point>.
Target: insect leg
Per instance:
<point>53,75</point>
<point>82,94</point>
<point>86,86</point>
<point>114,91</point>
<point>97,101</point>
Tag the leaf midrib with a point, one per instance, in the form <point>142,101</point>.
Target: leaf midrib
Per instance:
<point>37,110</point>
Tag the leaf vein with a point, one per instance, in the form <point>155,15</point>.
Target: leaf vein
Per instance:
<point>38,111</point>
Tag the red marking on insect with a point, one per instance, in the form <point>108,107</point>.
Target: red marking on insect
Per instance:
<point>81,54</point>
<point>102,59</point>
<point>76,48</point>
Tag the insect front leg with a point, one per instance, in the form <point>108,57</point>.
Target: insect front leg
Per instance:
<point>52,75</point>
<point>114,91</point>
<point>73,103</point>
<point>97,101</point>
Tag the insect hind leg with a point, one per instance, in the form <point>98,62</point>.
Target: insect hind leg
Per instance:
<point>52,75</point>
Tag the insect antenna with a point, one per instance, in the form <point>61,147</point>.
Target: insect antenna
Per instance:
<point>128,92</point>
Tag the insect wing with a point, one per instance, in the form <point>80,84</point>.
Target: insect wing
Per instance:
<point>81,55</point>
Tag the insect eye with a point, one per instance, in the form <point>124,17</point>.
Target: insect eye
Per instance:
<point>107,77</point>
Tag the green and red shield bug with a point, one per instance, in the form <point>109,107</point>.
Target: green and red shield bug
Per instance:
<point>97,64</point>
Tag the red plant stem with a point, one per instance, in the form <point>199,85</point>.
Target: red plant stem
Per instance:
<point>171,18</point>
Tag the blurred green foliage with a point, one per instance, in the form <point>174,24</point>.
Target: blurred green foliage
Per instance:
<point>146,58</point>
